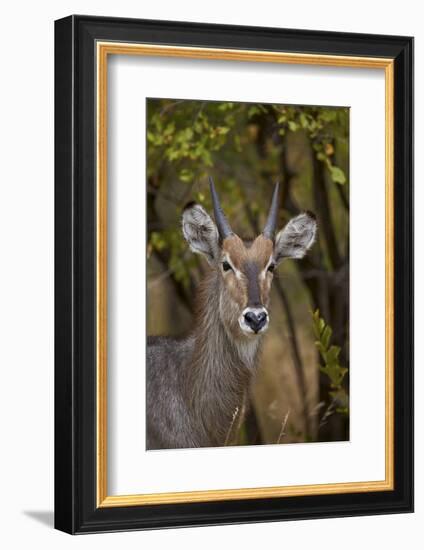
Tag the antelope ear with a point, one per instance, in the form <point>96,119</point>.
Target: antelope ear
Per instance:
<point>296,238</point>
<point>200,232</point>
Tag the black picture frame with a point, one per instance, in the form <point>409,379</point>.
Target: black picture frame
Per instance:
<point>76,510</point>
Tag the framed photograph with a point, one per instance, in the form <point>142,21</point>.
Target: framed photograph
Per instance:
<point>234,274</point>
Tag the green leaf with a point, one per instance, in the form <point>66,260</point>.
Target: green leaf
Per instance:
<point>333,354</point>
<point>186,175</point>
<point>222,130</point>
<point>322,351</point>
<point>337,175</point>
<point>169,129</point>
<point>326,336</point>
<point>293,126</point>
<point>252,111</point>
<point>303,120</point>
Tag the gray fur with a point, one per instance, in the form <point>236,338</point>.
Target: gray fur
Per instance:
<point>296,238</point>
<point>200,232</point>
<point>195,385</point>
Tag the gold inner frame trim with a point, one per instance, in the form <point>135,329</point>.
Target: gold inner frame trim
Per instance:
<point>103,50</point>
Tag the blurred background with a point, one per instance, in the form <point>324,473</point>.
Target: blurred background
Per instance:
<point>300,393</point>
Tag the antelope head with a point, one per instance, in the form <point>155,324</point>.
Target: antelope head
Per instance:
<point>245,268</point>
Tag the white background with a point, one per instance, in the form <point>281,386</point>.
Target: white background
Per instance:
<point>26,289</point>
<point>131,468</point>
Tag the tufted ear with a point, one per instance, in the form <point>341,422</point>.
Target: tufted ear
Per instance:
<point>200,232</point>
<point>296,238</point>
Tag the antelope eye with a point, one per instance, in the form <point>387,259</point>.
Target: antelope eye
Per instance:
<point>271,267</point>
<point>226,266</point>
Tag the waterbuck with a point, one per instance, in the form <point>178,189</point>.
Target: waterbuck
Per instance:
<point>196,385</point>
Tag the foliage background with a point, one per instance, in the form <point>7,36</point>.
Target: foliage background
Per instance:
<point>301,391</point>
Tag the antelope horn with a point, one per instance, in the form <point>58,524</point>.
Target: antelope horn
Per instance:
<point>271,222</point>
<point>222,224</point>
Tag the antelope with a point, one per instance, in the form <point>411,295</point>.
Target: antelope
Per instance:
<point>196,386</point>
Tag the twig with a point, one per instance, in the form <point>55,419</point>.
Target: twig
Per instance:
<point>170,106</point>
<point>159,278</point>
<point>199,112</point>
<point>317,408</point>
<point>283,427</point>
<point>165,274</point>
<point>227,439</point>
<point>329,411</point>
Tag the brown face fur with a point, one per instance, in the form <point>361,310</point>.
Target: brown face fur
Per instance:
<point>244,269</point>
<point>248,282</point>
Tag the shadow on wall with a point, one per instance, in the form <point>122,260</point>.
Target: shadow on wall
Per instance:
<point>45,517</point>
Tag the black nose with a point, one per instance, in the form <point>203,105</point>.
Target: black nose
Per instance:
<point>255,320</point>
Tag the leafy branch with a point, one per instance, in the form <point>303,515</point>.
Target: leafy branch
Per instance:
<point>331,368</point>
